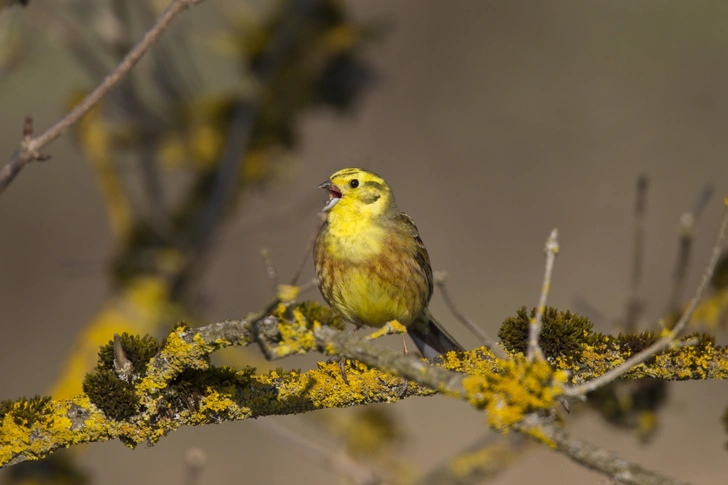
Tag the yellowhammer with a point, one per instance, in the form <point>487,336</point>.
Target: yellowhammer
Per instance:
<point>371,264</point>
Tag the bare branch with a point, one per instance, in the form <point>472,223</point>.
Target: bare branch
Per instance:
<point>687,233</point>
<point>635,304</point>
<point>270,269</point>
<point>600,460</point>
<point>668,339</point>
<point>30,147</point>
<point>551,250</point>
<point>440,278</point>
<point>320,219</point>
<point>310,284</point>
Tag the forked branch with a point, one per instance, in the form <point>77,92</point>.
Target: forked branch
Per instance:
<point>667,340</point>
<point>551,249</point>
<point>31,145</point>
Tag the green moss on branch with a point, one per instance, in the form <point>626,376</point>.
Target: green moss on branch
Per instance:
<point>179,387</point>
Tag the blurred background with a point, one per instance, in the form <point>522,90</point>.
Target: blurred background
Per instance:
<point>493,122</point>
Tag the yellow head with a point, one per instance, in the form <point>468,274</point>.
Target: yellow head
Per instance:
<point>355,192</point>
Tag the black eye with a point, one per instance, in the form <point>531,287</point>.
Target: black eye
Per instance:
<point>354,184</point>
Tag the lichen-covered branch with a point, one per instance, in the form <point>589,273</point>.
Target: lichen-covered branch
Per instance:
<point>241,395</point>
<point>172,395</point>
<point>164,387</point>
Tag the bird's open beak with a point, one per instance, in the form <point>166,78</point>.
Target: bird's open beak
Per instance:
<point>334,194</point>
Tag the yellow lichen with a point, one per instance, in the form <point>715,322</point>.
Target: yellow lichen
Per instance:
<point>295,337</point>
<point>508,390</point>
<point>392,327</point>
<point>215,401</point>
<point>287,293</point>
<point>176,355</point>
<point>519,388</point>
<point>537,433</point>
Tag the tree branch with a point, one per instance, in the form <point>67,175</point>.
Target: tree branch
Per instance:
<point>440,278</point>
<point>30,146</point>
<point>668,339</point>
<point>635,305</point>
<point>600,460</point>
<point>181,388</point>
<point>170,399</point>
<point>685,249</point>
<point>551,250</point>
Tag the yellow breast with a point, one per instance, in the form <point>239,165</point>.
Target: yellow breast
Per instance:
<point>369,277</point>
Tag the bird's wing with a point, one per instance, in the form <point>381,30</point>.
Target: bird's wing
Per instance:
<point>418,249</point>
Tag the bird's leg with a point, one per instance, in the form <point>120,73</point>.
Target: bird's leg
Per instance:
<point>342,360</point>
<point>404,345</point>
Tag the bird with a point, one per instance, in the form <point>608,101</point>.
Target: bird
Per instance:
<point>371,264</point>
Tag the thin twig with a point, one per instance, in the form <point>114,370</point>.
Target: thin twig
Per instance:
<point>332,460</point>
<point>635,304</point>
<point>667,340</point>
<point>309,285</point>
<point>277,289</point>
<point>687,233</point>
<point>165,70</point>
<point>269,268</point>
<point>534,332</point>
<point>320,218</point>
<point>30,148</point>
<point>440,278</point>
<point>598,459</point>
